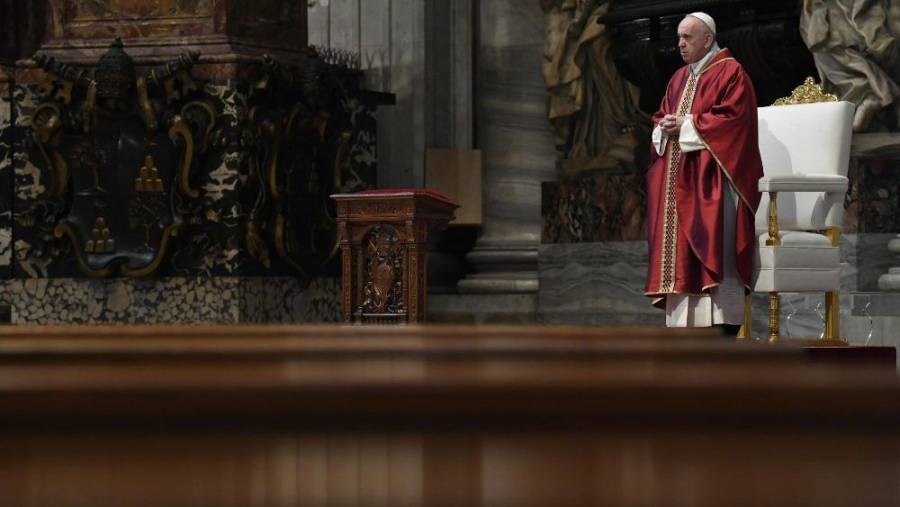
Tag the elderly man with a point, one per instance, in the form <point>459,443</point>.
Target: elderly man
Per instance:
<point>702,184</point>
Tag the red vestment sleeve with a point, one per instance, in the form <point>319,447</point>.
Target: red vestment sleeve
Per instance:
<point>728,128</point>
<point>729,131</point>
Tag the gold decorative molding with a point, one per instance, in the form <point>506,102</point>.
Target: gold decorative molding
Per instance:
<point>146,107</point>
<point>169,232</point>
<point>148,179</point>
<point>807,93</point>
<point>101,241</point>
<point>66,230</point>
<point>180,129</point>
<point>46,122</point>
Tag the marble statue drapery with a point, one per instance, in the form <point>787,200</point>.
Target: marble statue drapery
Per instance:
<point>593,110</point>
<point>856,49</point>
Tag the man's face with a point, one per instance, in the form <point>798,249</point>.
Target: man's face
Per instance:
<point>694,39</point>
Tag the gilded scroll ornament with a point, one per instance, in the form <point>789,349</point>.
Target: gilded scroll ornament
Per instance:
<point>807,93</point>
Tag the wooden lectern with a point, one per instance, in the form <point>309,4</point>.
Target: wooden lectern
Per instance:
<point>383,235</point>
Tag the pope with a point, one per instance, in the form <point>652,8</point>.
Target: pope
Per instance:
<point>702,184</point>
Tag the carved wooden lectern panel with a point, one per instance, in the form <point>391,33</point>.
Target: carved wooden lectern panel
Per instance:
<point>383,252</point>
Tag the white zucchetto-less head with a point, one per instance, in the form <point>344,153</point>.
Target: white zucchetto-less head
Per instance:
<point>706,19</point>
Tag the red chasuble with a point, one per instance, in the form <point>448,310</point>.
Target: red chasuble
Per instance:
<point>685,190</point>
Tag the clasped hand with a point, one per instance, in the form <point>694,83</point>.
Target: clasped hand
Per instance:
<point>671,124</point>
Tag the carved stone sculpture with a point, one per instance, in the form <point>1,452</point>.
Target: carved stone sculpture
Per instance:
<point>856,49</point>
<point>592,108</point>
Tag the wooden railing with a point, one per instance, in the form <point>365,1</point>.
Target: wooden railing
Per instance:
<point>278,416</point>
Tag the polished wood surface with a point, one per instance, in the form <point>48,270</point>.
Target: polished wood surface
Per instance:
<point>412,415</point>
<point>384,255</point>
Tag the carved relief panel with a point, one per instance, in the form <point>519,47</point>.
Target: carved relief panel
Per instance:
<point>122,171</point>
<point>382,269</point>
<point>117,152</point>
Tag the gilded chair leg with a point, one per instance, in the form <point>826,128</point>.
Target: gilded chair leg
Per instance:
<point>832,316</point>
<point>773,317</point>
<point>746,326</point>
<point>832,299</point>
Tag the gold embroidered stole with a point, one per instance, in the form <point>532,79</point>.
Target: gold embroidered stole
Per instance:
<point>670,212</point>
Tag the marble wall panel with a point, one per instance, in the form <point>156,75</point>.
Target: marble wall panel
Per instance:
<point>268,22</point>
<point>91,9</point>
<point>874,259</point>
<point>879,196</point>
<point>877,304</point>
<point>344,24</point>
<point>594,207</point>
<point>374,44</point>
<point>212,244</point>
<point>172,300</point>
<point>6,177</point>
<point>87,24</point>
<point>404,141</point>
<point>852,201</point>
<point>598,283</point>
<point>34,211</point>
<point>317,17</point>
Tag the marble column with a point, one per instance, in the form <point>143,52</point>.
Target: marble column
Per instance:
<point>513,135</point>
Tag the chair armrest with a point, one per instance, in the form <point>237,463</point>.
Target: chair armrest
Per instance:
<point>804,183</point>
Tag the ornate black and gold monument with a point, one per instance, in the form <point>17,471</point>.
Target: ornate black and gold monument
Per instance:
<point>172,163</point>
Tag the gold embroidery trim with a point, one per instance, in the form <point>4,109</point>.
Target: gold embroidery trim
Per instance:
<point>670,212</point>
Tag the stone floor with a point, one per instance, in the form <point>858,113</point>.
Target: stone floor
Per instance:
<point>601,283</point>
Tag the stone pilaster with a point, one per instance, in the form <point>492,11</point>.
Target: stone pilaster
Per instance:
<point>517,149</point>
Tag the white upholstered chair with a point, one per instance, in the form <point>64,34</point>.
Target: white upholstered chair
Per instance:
<point>805,152</point>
